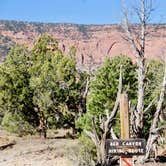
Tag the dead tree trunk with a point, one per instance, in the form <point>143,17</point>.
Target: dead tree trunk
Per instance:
<point>106,127</point>
<point>137,42</point>
<point>82,105</point>
<point>140,103</point>
<point>42,128</point>
<point>154,129</point>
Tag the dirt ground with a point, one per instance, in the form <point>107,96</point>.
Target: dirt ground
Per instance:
<point>33,151</point>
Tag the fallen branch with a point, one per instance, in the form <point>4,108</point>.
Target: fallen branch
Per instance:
<point>9,144</point>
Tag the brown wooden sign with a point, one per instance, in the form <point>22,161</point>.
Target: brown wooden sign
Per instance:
<point>125,147</point>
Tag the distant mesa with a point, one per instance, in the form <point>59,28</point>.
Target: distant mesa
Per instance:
<point>93,42</point>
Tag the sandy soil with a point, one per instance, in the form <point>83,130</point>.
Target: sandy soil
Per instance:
<point>33,151</point>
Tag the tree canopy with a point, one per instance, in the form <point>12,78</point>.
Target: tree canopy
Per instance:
<point>104,87</point>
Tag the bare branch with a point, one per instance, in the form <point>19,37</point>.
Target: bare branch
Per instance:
<point>116,105</point>
<point>154,131</point>
<point>128,31</point>
<point>86,87</point>
<point>143,26</point>
<point>91,135</point>
<point>132,122</point>
<point>95,131</point>
<point>113,134</point>
<point>107,113</point>
<point>107,124</point>
<point>109,50</point>
<point>160,102</point>
<point>159,128</point>
<point>150,104</point>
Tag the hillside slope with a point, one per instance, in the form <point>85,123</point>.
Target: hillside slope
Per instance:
<point>93,42</point>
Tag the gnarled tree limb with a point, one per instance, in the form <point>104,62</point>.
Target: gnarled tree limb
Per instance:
<point>106,126</point>
<point>154,129</point>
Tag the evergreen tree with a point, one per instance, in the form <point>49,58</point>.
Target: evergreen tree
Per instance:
<point>15,93</point>
<point>103,88</point>
<point>54,82</point>
<point>154,74</point>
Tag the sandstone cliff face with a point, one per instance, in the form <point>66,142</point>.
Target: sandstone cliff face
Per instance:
<point>93,42</point>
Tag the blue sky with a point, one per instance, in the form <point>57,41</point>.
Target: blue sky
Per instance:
<point>72,11</point>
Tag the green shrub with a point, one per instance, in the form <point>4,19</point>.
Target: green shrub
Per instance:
<point>103,91</point>
<point>15,123</point>
<point>84,154</point>
<point>87,147</point>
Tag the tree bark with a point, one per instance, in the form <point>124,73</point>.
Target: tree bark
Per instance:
<point>154,130</point>
<point>84,96</point>
<point>137,42</point>
<point>42,128</point>
<point>141,92</point>
<point>138,47</point>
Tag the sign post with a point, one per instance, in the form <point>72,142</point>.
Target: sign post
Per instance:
<point>125,147</point>
<point>125,128</point>
<point>124,117</point>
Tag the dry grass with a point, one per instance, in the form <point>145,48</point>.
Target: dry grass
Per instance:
<point>33,151</point>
